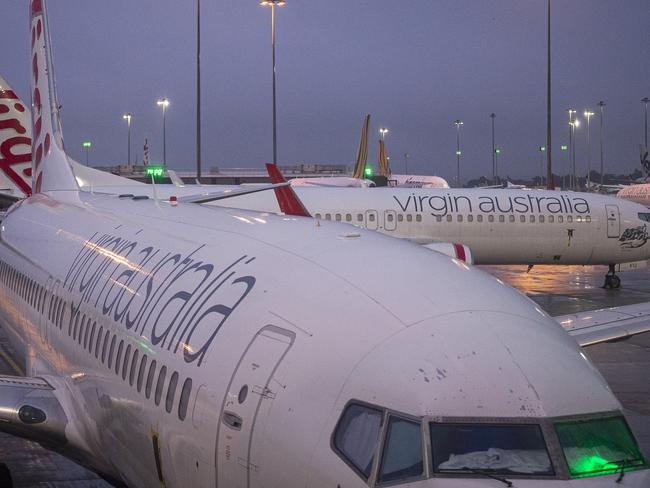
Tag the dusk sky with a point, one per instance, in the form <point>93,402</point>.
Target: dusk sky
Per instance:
<point>414,65</point>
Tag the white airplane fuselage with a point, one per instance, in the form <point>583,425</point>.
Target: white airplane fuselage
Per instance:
<point>88,283</point>
<point>499,227</point>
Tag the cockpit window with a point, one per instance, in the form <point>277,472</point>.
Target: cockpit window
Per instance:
<point>489,448</point>
<point>644,216</point>
<point>402,457</point>
<point>356,436</point>
<point>595,447</point>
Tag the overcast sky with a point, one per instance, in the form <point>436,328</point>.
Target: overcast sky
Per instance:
<point>414,65</point>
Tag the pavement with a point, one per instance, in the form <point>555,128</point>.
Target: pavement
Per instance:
<point>559,290</point>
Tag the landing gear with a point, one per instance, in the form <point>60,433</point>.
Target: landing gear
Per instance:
<point>611,280</point>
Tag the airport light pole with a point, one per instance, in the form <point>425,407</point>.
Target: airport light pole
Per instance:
<point>383,131</point>
<point>542,152</point>
<point>588,114</point>
<point>549,168</point>
<point>198,90</point>
<point>164,103</point>
<point>87,145</point>
<point>601,106</point>
<point>572,171</point>
<point>406,163</point>
<point>645,101</point>
<point>458,123</point>
<point>128,117</point>
<point>273,4</point>
<point>574,125</point>
<point>494,155</point>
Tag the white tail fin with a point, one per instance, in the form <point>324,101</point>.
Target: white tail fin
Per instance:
<point>15,144</point>
<point>50,167</point>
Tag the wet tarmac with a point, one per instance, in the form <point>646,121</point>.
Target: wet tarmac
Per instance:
<point>559,290</point>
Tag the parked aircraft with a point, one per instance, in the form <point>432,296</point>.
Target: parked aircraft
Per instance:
<point>639,193</point>
<point>177,345</point>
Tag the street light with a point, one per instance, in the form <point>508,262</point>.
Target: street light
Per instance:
<point>601,105</point>
<point>164,103</point>
<point>572,179</point>
<point>406,163</point>
<point>87,145</point>
<point>542,152</point>
<point>494,154</point>
<point>273,4</point>
<point>458,123</point>
<point>588,114</point>
<point>128,117</point>
<point>383,131</point>
<point>574,125</point>
<point>645,101</point>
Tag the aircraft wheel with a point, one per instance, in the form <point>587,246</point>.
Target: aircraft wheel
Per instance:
<point>615,281</point>
<point>5,476</point>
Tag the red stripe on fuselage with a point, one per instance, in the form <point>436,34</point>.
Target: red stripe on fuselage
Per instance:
<point>460,252</point>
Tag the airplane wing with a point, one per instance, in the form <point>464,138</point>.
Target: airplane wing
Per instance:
<point>29,408</point>
<point>176,180</point>
<point>227,193</point>
<point>607,325</point>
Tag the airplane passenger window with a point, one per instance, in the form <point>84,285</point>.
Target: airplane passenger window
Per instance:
<point>118,358</point>
<point>348,217</point>
<point>402,456</point>
<point>522,218</point>
<point>551,219</point>
<point>418,218</point>
<point>80,332</point>
<point>470,218</point>
<point>108,333</point>
<point>110,352</point>
<point>569,219</point>
<point>317,216</point>
<point>541,219</point>
<point>99,341</point>
<point>371,217</point>
<point>152,373</point>
<point>125,366</point>
<point>338,217</point>
<point>449,218</point>
<point>532,219</point>
<point>86,332</point>
<point>400,218</point>
<point>560,219</point>
<point>502,218</point>
<point>459,217</point>
<point>491,218</point>
<point>160,385</point>
<point>438,218</point>
<point>579,218</point>
<point>409,218</point>
<point>143,367</point>
<point>588,219</point>
<point>171,392</point>
<point>479,218</point>
<point>185,399</point>
<point>92,337</point>
<point>359,217</point>
<point>356,437</point>
<point>134,365</point>
<point>389,217</point>
<point>328,216</point>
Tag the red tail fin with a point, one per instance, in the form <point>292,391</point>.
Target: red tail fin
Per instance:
<point>289,202</point>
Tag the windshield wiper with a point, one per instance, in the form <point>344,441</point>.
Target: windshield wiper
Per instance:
<point>490,475</point>
<point>622,464</point>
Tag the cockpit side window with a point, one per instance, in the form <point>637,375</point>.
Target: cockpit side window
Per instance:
<point>402,457</point>
<point>644,216</point>
<point>356,437</point>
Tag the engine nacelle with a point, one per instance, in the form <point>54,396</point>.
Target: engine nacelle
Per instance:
<point>452,249</point>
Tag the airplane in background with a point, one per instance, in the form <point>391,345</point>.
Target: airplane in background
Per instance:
<point>639,193</point>
<point>179,345</point>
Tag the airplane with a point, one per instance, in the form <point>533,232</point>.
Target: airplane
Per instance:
<point>178,345</point>
<point>639,193</point>
<point>481,226</point>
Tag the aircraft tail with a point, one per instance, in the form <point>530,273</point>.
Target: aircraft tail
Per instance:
<point>50,167</point>
<point>362,151</point>
<point>288,201</point>
<point>15,144</point>
<point>645,162</point>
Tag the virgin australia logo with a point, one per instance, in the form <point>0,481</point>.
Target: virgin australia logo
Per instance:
<point>634,237</point>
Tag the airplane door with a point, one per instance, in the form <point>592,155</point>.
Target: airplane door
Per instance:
<point>390,220</point>
<point>248,388</point>
<point>613,221</point>
<point>371,219</point>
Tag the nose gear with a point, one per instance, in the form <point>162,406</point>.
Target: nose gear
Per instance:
<point>612,281</point>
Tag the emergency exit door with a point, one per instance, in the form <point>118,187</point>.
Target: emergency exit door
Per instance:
<point>613,221</point>
<point>250,385</point>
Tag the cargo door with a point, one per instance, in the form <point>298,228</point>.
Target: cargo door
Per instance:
<point>613,221</point>
<point>371,219</point>
<point>248,388</point>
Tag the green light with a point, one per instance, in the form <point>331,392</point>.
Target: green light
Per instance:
<point>458,153</point>
<point>87,144</point>
<point>564,147</point>
<point>368,171</point>
<point>497,151</point>
<point>542,148</point>
<point>155,171</point>
<point>593,465</point>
